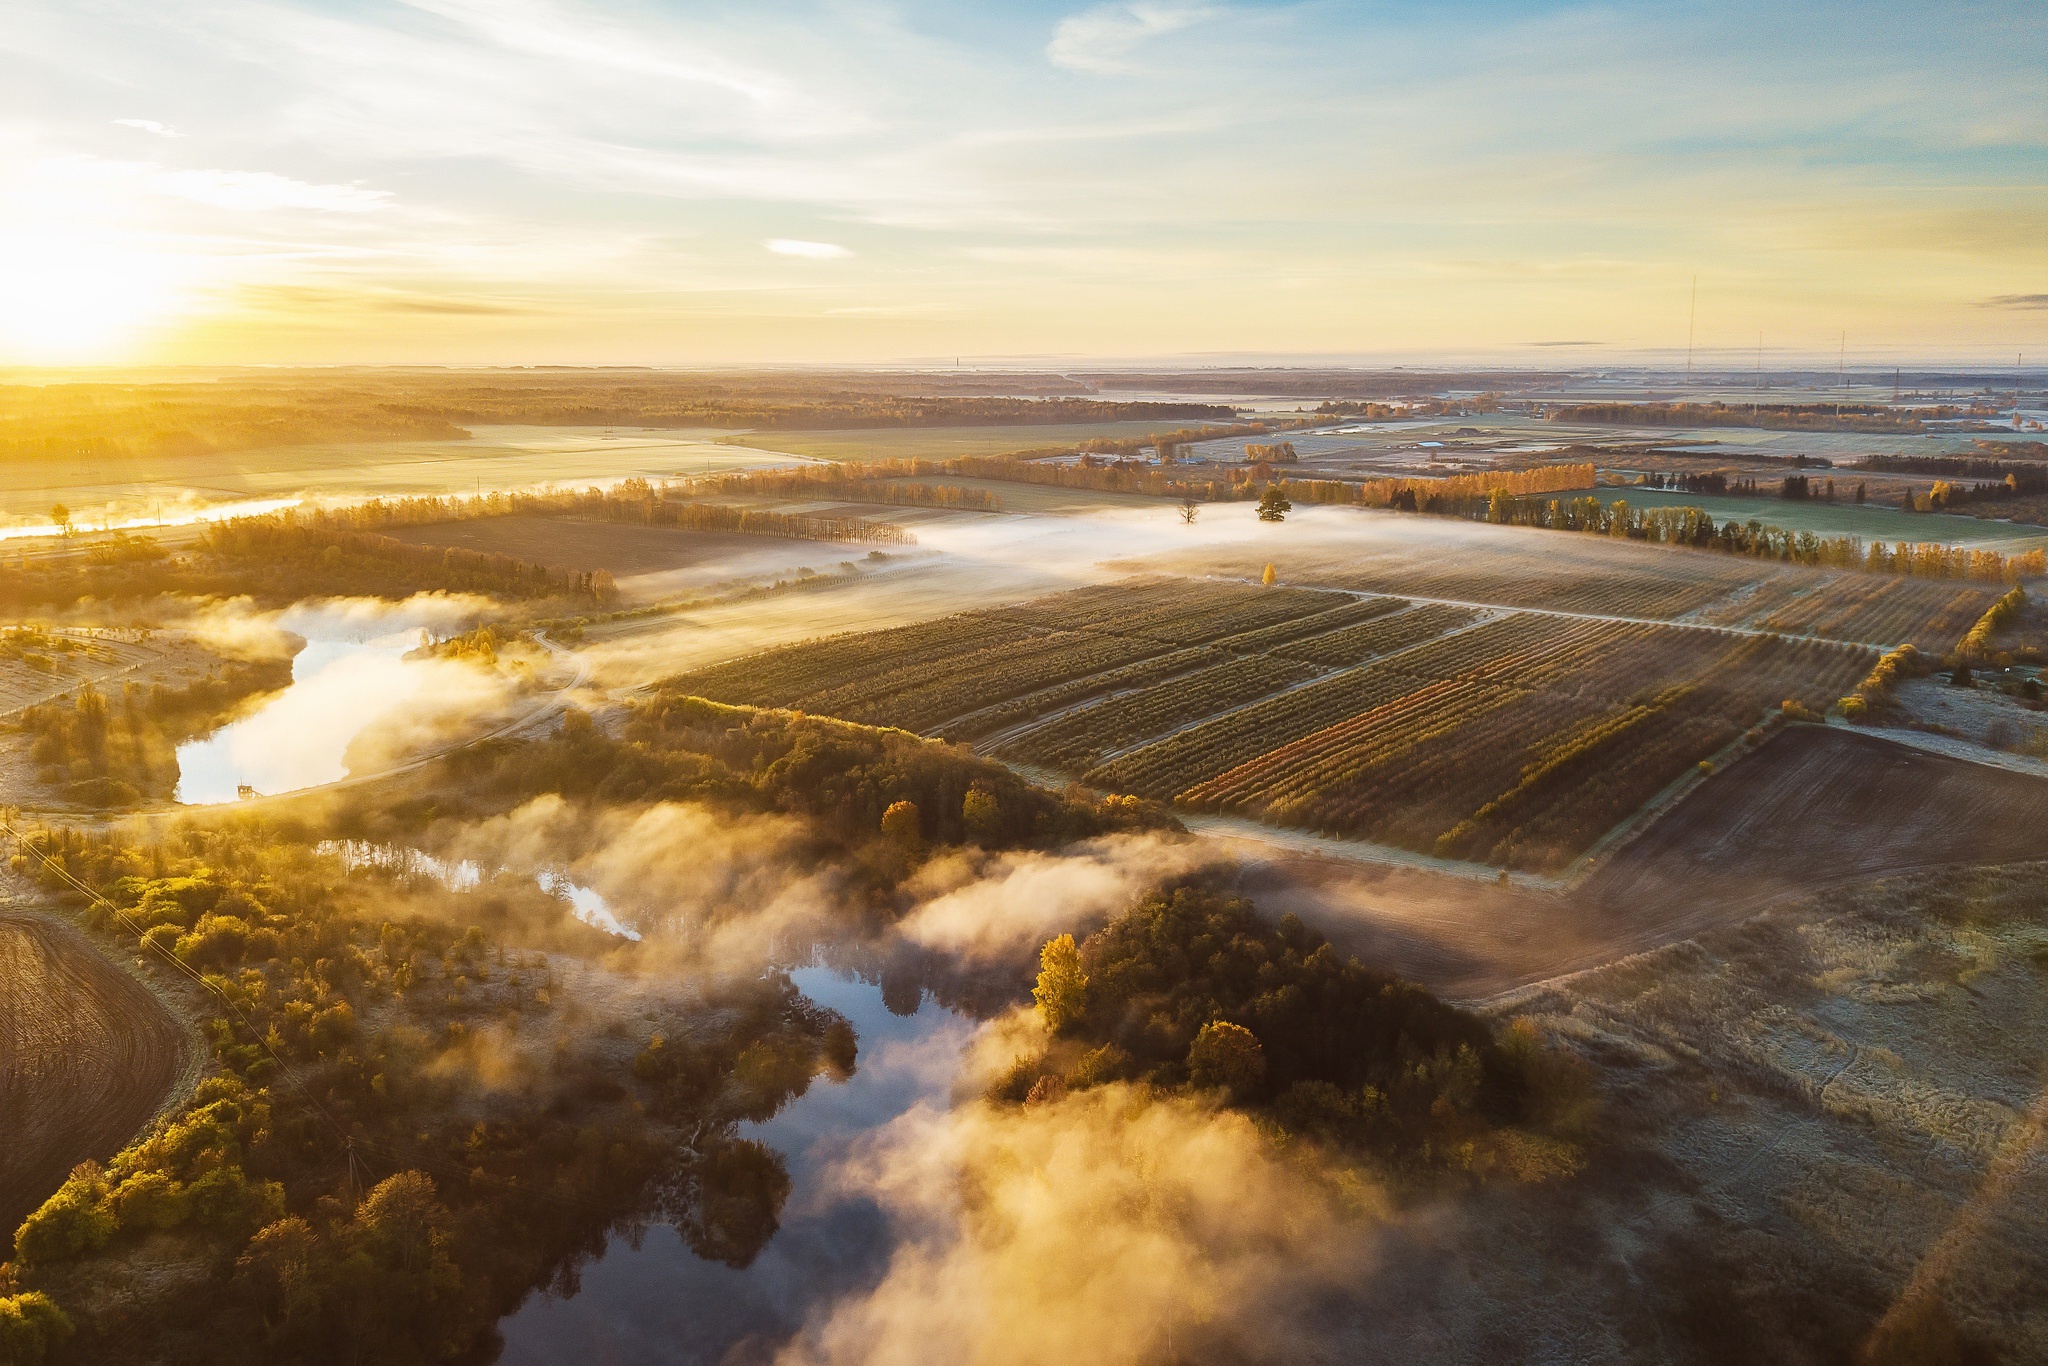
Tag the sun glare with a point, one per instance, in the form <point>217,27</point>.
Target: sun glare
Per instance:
<point>79,300</point>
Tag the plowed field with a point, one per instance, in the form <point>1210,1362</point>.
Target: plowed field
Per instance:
<point>86,1055</point>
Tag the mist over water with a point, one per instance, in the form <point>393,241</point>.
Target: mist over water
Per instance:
<point>351,675</point>
<point>659,1304</point>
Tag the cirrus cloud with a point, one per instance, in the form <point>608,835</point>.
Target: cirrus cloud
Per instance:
<point>816,251</point>
<point>1102,39</point>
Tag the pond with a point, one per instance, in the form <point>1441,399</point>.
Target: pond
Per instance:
<point>350,675</point>
<point>658,1304</point>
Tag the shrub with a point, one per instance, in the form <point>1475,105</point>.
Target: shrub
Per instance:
<point>150,1200</point>
<point>74,1220</point>
<point>31,1326</point>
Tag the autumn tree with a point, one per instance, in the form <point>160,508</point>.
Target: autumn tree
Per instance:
<point>981,813</point>
<point>900,825</point>
<point>1268,576</point>
<point>1228,1056</point>
<point>1062,990</point>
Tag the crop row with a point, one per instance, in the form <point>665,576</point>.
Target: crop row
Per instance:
<point>1320,624</point>
<point>1076,741</point>
<point>1656,589</point>
<point>1109,606</point>
<point>1180,611</point>
<point>1169,765</point>
<point>1356,643</point>
<point>1173,765</point>
<point>1043,701</point>
<point>923,695</point>
<point>1487,765</point>
<point>782,675</point>
<point>1932,614</point>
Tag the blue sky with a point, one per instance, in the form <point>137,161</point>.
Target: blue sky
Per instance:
<point>554,181</point>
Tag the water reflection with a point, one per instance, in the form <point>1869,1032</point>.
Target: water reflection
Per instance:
<point>300,737</point>
<point>463,875</point>
<point>655,1301</point>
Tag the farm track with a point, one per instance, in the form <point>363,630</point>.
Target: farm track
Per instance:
<point>87,1055</point>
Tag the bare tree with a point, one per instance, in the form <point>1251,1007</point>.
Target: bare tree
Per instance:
<point>1190,508</point>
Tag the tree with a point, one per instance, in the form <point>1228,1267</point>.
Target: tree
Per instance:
<point>981,813</point>
<point>1274,505</point>
<point>1190,508</point>
<point>1268,577</point>
<point>900,825</point>
<point>1062,990</point>
<point>1229,1056</point>
<point>61,515</point>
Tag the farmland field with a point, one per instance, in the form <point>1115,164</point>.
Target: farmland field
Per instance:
<point>1509,737</point>
<point>85,1056</point>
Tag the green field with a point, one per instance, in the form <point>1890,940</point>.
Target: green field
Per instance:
<point>938,443</point>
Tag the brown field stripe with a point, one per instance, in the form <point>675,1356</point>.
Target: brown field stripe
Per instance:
<point>1313,744</point>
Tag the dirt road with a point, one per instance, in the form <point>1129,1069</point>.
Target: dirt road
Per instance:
<point>86,1056</point>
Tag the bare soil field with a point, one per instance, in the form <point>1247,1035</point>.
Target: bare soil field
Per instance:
<point>86,1056</point>
<point>1812,809</point>
<point>1822,805</point>
<point>1818,1127</point>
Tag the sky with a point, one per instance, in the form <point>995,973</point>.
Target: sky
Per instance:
<point>603,182</point>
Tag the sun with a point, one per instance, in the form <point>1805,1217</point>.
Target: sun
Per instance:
<point>72,299</point>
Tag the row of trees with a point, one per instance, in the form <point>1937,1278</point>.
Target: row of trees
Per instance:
<point>1786,417</point>
<point>1696,528</point>
<point>851,483</point>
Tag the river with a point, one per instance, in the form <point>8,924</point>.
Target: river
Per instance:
<point>658,1304</point>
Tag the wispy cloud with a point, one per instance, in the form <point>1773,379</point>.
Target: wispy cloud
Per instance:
<point>1103,39</point>
<point>150,126</point>
<point>258,191</point>
<point>2017,301</point>
<point>816,251</point>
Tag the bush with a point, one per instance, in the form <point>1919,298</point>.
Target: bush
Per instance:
<point>73,1221</point>
<point>150,1201</point>
<point>31,1325</point>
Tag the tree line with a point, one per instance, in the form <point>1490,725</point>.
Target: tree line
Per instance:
<point>1782,417</point>
<point>1696,528</point>
<point>70,421</point>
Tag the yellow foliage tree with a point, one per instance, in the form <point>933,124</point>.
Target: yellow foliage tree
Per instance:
<point>1062,990</point>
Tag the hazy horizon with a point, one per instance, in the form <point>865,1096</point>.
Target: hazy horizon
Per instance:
<point>547,182</point>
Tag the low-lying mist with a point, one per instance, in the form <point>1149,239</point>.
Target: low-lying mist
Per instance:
<point>1108,1225</point>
